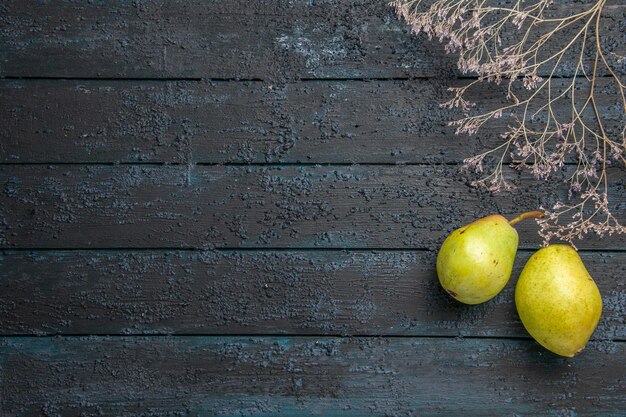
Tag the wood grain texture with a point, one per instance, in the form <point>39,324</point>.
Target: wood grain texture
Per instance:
<point>274,39</point>
<point>267,292</point>
<point>240,122</point>
<point>226,376</point>
<point>227,290</point>
<point>249,206</point>
<point>83,121</point>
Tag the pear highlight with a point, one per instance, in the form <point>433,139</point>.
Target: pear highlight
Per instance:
<point>475,262</point>
<point>557,300</point>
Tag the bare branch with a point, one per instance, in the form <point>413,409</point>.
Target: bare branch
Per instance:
<point>541,137</point>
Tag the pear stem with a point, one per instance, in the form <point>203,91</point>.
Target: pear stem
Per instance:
<point>529,214</point>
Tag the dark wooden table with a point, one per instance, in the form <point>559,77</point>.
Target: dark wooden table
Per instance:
<point>233,208</point>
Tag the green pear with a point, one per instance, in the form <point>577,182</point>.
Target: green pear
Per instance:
<point>475,262</point>
<point>557,300</point>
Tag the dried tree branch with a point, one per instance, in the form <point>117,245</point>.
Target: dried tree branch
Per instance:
<point>539,137</point>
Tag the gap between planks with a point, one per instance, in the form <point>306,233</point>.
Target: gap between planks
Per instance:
<point>274,336</point>
<point>251,164</point>
<point>6,251</point>
<point>244,80</point>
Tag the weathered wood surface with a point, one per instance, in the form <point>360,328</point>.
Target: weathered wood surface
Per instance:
<point>274,39</point>
<point>222,122</point>
<point>244,263</point>
<point>268,292</point>
<point>226,376</point>
<point>241,206</point>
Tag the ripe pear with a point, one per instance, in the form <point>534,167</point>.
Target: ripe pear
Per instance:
<point>557,300</point>
<point>475,262</point>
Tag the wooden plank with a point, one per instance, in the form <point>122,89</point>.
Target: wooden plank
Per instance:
<point>250,206</point>
<point>225,376</point>
<point>227,122</point>
<point>75,121</point>
<point>314,122</point>
<point>267,292</point>
<point>273,39</point>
